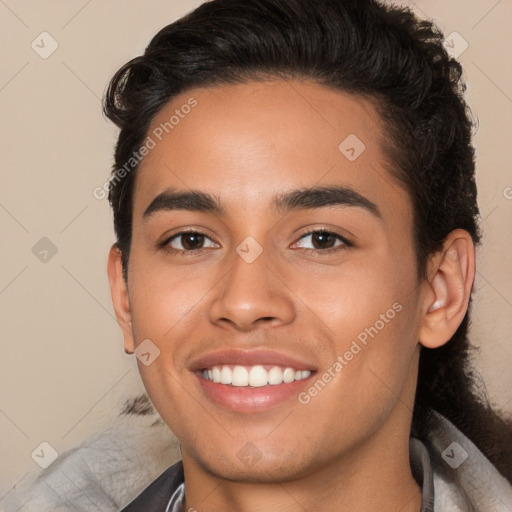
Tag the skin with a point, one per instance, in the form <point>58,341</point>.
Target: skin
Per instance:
<point>348,448</point>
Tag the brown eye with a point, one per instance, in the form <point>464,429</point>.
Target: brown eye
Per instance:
<point>322,241</point>
<point>190,241</point>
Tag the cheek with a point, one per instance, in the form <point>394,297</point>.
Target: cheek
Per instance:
<point>353,296</point>
<point>373,341</point>
<point>164,299</point>
<point>369,309</point>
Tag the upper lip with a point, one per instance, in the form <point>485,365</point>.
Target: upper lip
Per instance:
<point>251,357</point>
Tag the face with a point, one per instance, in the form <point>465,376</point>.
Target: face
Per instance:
<point>273,249</point>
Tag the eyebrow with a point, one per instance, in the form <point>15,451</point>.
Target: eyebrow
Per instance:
<point>301,199</point>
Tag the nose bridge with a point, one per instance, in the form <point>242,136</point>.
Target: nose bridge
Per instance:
<point>251,293</point>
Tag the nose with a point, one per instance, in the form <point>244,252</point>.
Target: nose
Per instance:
<point>252,296</point>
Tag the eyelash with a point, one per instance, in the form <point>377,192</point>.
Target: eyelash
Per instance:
<point>319,252</point>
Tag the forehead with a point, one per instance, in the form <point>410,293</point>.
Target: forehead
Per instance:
<point>244,143</point>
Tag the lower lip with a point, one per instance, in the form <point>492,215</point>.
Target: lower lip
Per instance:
<point>247,399</point>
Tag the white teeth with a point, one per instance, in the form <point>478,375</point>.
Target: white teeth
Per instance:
<point>275,376</point>
<point>240,376</point>
<point>254,376</point>
<point>288,375</point>
<point>216,374</point>
<point>258,377</point>
<point>225,375</point>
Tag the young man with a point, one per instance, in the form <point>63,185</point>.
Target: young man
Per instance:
<point>295,210</point>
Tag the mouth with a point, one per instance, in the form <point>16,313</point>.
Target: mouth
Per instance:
<point>251,381</point>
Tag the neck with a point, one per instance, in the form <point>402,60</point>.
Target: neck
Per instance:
<point>376,475</point>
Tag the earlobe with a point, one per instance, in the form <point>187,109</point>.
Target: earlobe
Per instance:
<point>120,298</point>
<point>451,275</point>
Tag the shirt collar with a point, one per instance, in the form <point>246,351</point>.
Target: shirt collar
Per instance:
<point>176,502</point>
<point>421,469</point>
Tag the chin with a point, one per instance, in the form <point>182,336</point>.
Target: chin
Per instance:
<point>252,466</point>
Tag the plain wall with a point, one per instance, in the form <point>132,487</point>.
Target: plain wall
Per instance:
<point>63,370</point>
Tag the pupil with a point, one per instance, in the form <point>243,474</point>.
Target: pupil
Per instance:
<point>323,240</point>
<point>192,241</point>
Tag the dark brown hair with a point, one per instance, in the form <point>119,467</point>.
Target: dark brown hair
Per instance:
<point>368,49</point>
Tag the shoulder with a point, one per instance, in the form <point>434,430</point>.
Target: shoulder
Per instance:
<point>464,479</point>
<point>105,472</point>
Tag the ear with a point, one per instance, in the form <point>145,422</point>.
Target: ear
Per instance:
<point>451,273</point>
<point>120,299</point>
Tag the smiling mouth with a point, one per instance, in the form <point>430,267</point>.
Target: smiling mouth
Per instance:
<point>253,376</point>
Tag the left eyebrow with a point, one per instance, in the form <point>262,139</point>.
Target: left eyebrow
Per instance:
<point>300,199</point>
<point>320,197</point>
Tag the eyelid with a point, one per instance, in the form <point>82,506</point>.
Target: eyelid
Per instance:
<point>181,230</point>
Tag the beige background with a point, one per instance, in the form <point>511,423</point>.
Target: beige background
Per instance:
<point>63,372</point>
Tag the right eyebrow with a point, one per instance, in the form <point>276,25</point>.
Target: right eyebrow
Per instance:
<point>194,201</point>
